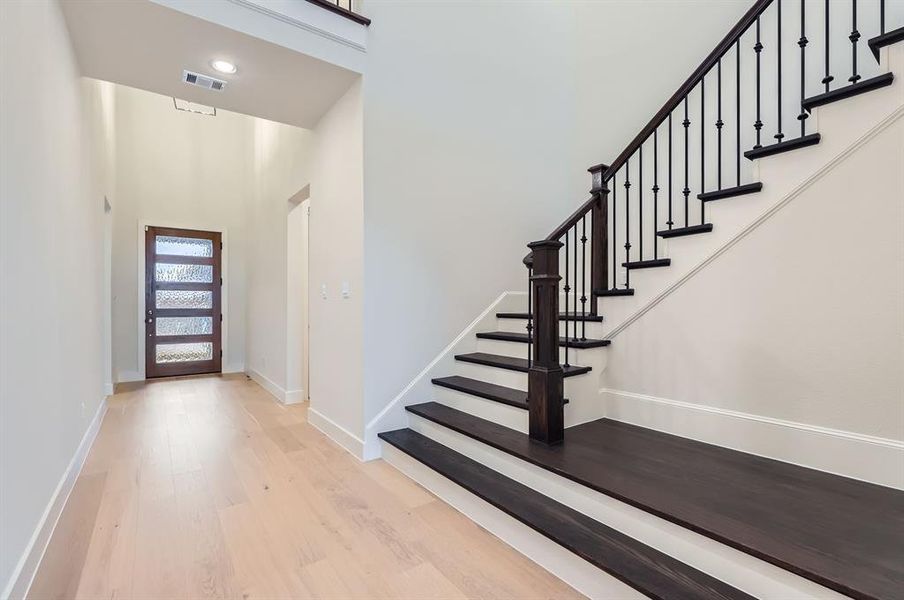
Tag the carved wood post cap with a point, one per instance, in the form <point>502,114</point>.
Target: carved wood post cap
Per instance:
<point>596,176</point>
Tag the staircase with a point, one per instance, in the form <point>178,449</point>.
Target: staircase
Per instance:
<point>620,511</point>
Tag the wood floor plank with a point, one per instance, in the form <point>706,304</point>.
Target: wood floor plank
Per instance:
<point>206,487</point>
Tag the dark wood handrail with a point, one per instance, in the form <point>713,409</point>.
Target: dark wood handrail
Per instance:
<point>339,10</point>
<point>708,63</point>
<point>573,219</point>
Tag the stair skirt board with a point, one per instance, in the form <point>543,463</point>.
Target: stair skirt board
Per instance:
<point>736,568</point>
<point>562,563</point>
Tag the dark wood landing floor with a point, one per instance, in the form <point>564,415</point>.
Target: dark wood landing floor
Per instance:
<point>842,533</point>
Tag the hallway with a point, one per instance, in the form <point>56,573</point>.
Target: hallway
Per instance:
<point>207,487</point>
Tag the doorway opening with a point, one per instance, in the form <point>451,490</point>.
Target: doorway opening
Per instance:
<point>182,307</point>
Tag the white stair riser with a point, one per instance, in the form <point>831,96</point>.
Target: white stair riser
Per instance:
<point>734,567</point>
<point>576,356</point>
<point>512,379</point>
<point>502,414</point>
<point>592,329</point>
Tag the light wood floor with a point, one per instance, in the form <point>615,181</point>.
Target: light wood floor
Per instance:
<point>208,488</point>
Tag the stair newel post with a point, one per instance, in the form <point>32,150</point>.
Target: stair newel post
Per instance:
<point>599,235</point>
<point>545,384</point>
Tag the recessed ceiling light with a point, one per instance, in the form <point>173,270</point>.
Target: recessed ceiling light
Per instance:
<point>223,66</point>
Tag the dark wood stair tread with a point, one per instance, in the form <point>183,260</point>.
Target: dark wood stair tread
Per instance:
<point>886,39</point>
<point>511,363</point>
<point>647,264</point>
<point>747,188</point>
<point>521,338</point>
<point>683,231</point>
<point>482,389</point>
<point>839,532</point>
<point>853,89</point>
<point>570,316</point>
<point>783,146</point>
<point>644,568</point>
<point>614,293</point>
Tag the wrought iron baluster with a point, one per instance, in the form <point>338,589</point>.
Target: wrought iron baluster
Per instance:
<point>640,203</point>
<point>881,17</point>
<point>575,291</point>
<point>854,37</point>
<point>615,233</point>
<point>828,78</point>
<point>686,191</point>
<point>655,192</point>
<point>670,222</point>
<point>738,109</point>
<point>627,222</point>
<point>702,146</point>
<point>758,48</point>
<point>719,124</point>
<point>567,289</point>
<point>778,61</point>
<point>530,315</point>
<point>802,42</point>
<point>584,275</point>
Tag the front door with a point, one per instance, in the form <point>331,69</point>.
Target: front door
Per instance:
<point>182,302</point>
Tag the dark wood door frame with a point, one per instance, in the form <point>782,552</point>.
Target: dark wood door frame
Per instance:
<point>152,312</point>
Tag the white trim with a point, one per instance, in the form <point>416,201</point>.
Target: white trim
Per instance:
<point>859,456</point>
<point>768,214</point>
<point>108,389</point>
<point>372,444</point>
<point>561,563</point>
<point>294,397</point>
<point>22,576</point>
<point>337,433</point>
<point>279,16</point>
<point>143,222</point>
<point>276,390</point>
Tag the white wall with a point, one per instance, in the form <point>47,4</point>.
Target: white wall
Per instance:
<point>802,320</point>
<point>281,169</point>
<point>51,267</point>
<point>478,142</point>
<point>336,232</point>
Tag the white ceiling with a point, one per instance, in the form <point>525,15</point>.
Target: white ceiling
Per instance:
<point>144,45</point>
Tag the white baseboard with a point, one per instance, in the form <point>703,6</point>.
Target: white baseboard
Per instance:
<point>268,384</point>
<point>294,397</point>
<point>868,458</point>
<point>337,433</point>
<point>22,576</point>
<point>129,376</point>
<point>236,368</point>
<point>108,389</point>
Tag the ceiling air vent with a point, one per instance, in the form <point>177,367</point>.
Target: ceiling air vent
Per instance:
<point>204,81</point>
